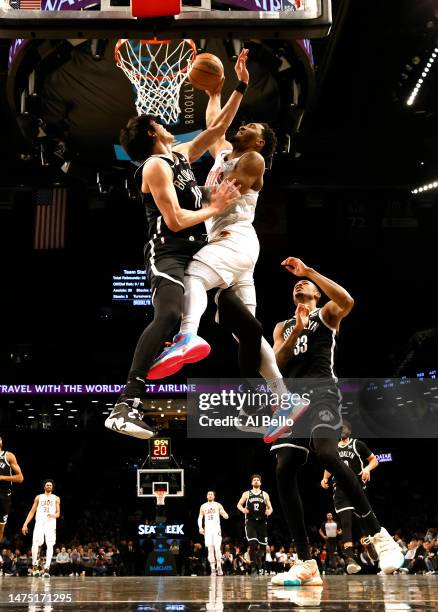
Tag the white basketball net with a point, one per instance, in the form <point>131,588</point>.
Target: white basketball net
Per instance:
<point>157,69</point>
<point>160,497</point>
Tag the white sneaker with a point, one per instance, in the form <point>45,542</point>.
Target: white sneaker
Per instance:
<point>303,573</point>
<point>390,556</point>
<point>219,571</point>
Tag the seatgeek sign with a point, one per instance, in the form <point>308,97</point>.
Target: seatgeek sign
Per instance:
<point>171,530</point>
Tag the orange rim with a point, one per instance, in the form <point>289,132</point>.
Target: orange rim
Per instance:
<point>122,41</point>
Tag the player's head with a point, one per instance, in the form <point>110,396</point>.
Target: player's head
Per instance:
<point>210,496</point>
<point>329,516</point>
<point>255,137</point>
<point>305,291</point>
<point>48,485</point>
<point>346,430</point>
<point>256,480</point>
<point>141,134</point>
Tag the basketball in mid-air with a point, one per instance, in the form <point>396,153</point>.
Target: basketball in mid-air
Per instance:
<point>207,72</point>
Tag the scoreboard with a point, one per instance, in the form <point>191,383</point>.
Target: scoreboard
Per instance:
<point>160,450</point>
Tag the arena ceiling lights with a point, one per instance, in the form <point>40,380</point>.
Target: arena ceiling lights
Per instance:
<point>423,77</point>
<point>426,187</point>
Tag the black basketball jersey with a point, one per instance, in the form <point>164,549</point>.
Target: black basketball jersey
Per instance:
<point>256,505</point>
<point>355,455</point>
<point>314,352</point>
<point>5,470</point>
<point>189,197</point>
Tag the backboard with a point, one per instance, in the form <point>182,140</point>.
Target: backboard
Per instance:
<point>81,19</point>
<point>150,480</point>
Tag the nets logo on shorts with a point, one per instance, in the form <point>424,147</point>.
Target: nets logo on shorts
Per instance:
<point>326,416</point>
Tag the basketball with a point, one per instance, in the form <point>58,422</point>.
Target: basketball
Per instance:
<point>206,72</point>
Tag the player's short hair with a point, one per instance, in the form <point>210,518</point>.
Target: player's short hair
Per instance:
<point>48,480</point>
<point>211,491</point>
<point>135,139</point>
<point>256,476</point>
<point>270,139</point>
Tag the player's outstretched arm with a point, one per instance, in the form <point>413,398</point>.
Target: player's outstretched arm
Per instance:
<point>30,515</point>
<point>158,179</point>
<point>340,303</point>
<point>17,475</point>
<point>217,128</point>
<point>241,502</point>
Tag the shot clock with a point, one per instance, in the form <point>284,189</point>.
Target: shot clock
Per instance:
<point>160,450</point>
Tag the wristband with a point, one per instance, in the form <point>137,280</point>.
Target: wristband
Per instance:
<point>242,87</point>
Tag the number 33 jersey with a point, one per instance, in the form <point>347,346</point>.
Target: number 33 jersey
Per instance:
<point>314,352</point>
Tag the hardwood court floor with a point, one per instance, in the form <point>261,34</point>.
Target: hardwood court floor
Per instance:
<point>190,594</point>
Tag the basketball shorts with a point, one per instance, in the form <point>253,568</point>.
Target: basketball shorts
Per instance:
<point>45,532</point>
<point>213,538</point>
<point>5,506</point>
<point>232,256</point>
<point>323,419</point>
<point>341,501</point>
<point>168,259</point>
<point>256,530</point>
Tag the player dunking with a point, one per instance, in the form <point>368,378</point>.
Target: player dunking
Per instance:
<point>305,347</point>
<point>255,504</point>
<point>210,512</point>
<point>173,204</point>
<point>46,509</point>
<point>10,472</point>
<point>356,454</point>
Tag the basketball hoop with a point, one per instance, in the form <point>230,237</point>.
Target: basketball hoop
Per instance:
<point>160,497</point>
<point>157,69</point>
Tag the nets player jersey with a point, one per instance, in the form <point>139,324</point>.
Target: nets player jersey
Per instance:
<point>189,197</point>
<point>46,506</point>
<point>256,505</point>
<point>314,352</point>
<point>212,521</point>
<point>5,470</point>
<point>240,214</point>
<point>355,455</point>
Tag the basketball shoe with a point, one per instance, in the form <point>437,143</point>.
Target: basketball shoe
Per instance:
<point>351,564</point>
<point>185,348</point>
<point>126,418</point>
<point>303,598</point>
<point>303,573</point>
<point>282,420</point>
<point>390,555</point>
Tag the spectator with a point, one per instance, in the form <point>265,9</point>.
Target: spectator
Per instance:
<point>174,549</point>
<point>227,560</point>
<point>76,565</point>
<point>196,559</point>
<point>62,561</point>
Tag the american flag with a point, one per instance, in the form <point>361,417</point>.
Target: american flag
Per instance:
<point>29,5</point>
<point>50,218</point>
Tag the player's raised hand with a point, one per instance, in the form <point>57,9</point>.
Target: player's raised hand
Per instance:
<point>295,266</point>
<point>224,195</point>
<point>218,89</point>
<point>302,312</point>
<point>240,67</point>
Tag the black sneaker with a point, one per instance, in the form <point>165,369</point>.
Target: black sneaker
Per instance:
<point>126,418</point>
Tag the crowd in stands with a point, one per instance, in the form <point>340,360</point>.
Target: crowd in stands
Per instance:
<point>127,558</point>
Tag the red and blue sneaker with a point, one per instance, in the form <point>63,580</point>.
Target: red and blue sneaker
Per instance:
<point>282,419</point>
<point>185,348</point>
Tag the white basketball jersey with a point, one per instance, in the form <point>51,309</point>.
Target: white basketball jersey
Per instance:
<point>46,506</point>
<point>212,520</point>
<point>240,214</point>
